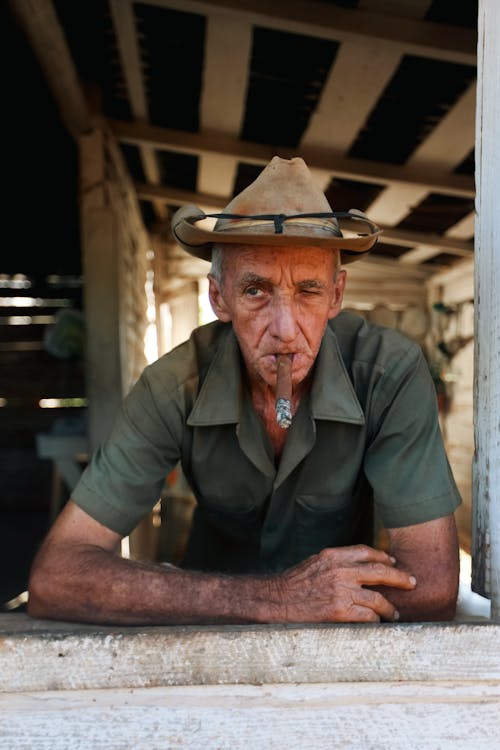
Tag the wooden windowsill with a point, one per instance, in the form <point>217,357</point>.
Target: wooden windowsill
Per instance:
<point>38,655</point>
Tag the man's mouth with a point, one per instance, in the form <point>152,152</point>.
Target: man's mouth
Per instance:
<point>290,355</point>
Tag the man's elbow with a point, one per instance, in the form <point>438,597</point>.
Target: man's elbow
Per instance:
<point>44,590</point>
<point>446,609</point>
<point>439,605</point>
<point>38,593</point>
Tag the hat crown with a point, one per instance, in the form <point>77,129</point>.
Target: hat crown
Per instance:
<point>282,206</point>
<point>285,186</point>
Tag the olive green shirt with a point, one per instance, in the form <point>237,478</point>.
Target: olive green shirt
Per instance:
<point>368,430</point>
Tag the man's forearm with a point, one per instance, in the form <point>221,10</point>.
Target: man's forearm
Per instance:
<point>423,604</point>
<point>94,585</point>
<point>429,551</point>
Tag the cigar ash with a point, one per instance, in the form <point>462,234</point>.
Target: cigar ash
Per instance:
<point>284,390</point>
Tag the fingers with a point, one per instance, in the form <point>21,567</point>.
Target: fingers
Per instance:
<point>377,603</point>
<point>362,614</point>
<point>377,574</point>
<point>371,567</point>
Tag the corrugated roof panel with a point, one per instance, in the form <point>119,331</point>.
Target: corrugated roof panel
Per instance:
<point>90,35</point>
<point>343,195</point>
<point>287,74</point>
<point>148,214</point>
<point>172,49</point>
<point>134,162</point>
<point>437,213</point>
<point>443,259</point>
<point>245,174</point>
<point>385,250</point>
<point>453,13</point>
<point>421,91</point>
<point>468,165</point>
<point>342,3</point>
<point>178,170</point>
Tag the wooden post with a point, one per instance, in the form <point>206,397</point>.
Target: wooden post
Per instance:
<point>486,466</point>
<point>101,268</point>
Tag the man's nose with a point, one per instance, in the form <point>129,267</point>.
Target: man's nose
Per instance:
<point>283,320</point>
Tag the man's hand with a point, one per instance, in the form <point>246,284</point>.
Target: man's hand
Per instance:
<point>78,575</point>
<point>330,587</point>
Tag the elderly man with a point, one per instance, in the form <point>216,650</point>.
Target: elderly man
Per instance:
<point>282,528</point>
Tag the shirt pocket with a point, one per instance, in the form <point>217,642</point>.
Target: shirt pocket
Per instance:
<point>323,520</point>
<point>240,524</point>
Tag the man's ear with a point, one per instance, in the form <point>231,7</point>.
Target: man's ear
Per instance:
<point>338,294</point>
<point>217,300</point>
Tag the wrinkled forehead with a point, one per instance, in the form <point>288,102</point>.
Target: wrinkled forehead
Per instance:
<point>268,261</point>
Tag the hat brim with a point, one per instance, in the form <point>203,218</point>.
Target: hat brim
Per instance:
<point>198,241</point>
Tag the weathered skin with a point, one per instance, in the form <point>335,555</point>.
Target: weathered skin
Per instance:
<point>279,301</point>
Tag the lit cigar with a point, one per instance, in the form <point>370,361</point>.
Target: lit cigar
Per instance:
<point>284,391</point>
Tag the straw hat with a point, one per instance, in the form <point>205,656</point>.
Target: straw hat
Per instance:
<point>282,206</point>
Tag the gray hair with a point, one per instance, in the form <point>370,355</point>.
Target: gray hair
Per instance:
<point>219,263</point>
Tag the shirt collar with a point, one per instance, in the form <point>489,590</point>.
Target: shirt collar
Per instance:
<point>332,395</point>
<point>220,397</point>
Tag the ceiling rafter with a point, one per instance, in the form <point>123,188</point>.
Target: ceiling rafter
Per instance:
<point>446,146</point>
<point>358,76</point>
<point>428,178</point>
<point>312,18</point>
<point>391,236</point>
<point>126,34</point>
<point>223,95</point>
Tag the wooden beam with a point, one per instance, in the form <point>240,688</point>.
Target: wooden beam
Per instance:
<point>324,159</point>
<point>100,256</point>
<point>444,715</point>
<point>486,466</point>
<point>362,70</point>
<point>408,9</point>
<point>463,229</point>
<point>391,236</point>
<point>359,74</point>
<point>41,25</point>
<point>453,137</point>
<point>126,33</point>
<point>446,146</point>
<point>326,21</point>
<point>223,96</point>
<point>110,657</point>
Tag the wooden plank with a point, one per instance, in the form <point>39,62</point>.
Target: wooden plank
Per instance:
<point>447,716</point>
<point>445,147</point>
<point>59,656</point>
<point>128,48</point>
<point>101,291</point>
<point>427,178</point>
<point>486,466</point>
<point>223,95</point>
<point>328,21</point>
<point>359,74</point>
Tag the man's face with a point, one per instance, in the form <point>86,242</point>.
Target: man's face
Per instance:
<point>279,301</point>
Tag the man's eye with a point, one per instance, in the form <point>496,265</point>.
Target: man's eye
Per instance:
<point>253,291</point>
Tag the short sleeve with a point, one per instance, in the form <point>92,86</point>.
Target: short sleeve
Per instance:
<point>125,477</point>
<point>405,461</point>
